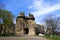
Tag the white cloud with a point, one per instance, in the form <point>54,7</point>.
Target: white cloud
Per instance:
<point>42,8</point>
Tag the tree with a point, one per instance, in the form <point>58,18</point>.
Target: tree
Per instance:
<point>7,18</point>
<point>52,22</point>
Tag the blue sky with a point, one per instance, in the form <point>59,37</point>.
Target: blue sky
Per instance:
<point>39,8</point>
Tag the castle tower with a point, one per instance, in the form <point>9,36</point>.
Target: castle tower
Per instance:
<point>20,24</point>
<point>31,22</point>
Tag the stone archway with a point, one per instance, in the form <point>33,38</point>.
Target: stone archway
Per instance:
<point>26,30</point>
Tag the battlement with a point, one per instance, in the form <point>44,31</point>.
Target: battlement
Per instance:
<point>30,17</point>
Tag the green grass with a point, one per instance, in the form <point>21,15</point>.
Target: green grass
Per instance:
<point>53,37</point>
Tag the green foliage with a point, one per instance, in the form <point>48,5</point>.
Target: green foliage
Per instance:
<point>53,37</point>
<point>6,16</point>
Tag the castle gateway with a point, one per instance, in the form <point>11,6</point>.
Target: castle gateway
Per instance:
<point>25,25</point>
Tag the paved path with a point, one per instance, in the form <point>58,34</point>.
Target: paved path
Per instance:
<point>23,38</point>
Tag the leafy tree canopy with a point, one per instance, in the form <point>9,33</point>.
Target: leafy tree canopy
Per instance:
<point>6,16</point>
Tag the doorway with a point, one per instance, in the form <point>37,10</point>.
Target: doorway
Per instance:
<point>26,30</point>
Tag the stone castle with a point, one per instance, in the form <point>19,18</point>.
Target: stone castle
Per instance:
<point>25,25</point>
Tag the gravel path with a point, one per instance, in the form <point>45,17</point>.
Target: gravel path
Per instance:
<point>23,38</point>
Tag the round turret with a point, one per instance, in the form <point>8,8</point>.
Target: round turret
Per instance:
<point>22,14</point>
<point>31,16</point>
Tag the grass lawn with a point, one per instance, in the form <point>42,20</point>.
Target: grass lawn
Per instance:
<point>53,37</point>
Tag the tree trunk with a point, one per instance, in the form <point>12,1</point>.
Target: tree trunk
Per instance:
<point>4,30</point>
